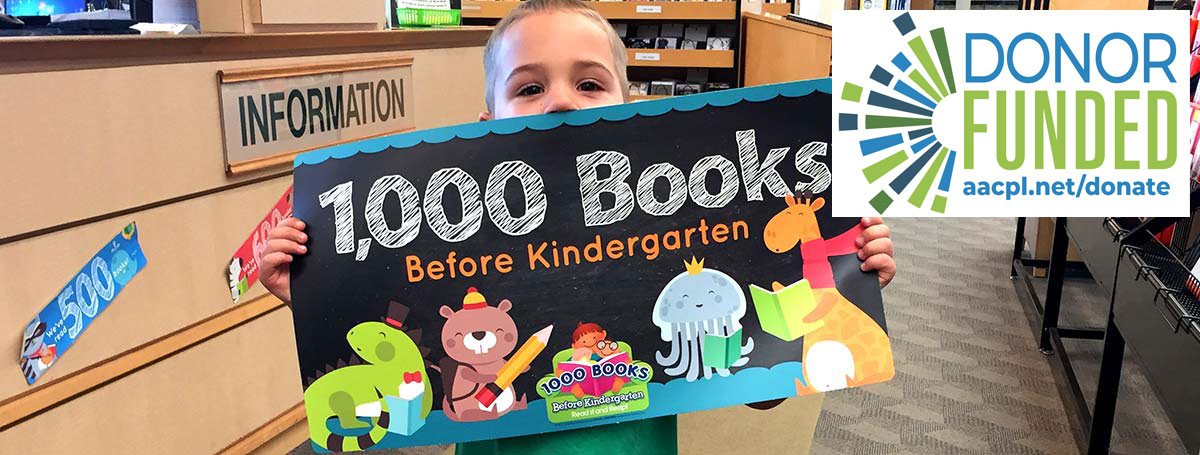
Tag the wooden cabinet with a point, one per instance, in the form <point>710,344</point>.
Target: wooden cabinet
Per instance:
<point>780,50</point>
<point>778,9</point>
<point>259,16</point>
<point>659,10</point>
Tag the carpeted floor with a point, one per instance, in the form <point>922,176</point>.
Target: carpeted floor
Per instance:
<point>970,379</point>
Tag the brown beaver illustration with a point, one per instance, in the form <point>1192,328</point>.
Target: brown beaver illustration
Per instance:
<point>476,338</point>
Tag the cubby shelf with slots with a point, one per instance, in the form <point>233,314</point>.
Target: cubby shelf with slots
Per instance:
<point>651,10</point>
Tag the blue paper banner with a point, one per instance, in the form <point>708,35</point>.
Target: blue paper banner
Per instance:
<point>89,292</point>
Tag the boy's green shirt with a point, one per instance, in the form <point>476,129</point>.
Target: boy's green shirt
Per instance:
<point>655,436</point>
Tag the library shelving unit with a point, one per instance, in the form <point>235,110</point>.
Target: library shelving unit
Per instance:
<point>652,64</point>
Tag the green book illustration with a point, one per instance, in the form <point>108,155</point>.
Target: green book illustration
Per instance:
<point>722,351</point>
<point>782,312</point>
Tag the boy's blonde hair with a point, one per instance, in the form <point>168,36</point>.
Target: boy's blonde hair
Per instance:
<point>531,7</point>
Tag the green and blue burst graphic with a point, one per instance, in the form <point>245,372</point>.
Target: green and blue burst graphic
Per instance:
<point>895,119</point>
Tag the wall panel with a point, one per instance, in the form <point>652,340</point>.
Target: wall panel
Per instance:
<point>195,402</point>
<point>186,245</point>
<point>102,140</point>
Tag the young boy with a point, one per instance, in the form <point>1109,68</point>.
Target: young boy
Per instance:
<point>553,56</point>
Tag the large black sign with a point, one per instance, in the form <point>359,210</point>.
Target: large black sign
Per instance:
<point>566,270</point>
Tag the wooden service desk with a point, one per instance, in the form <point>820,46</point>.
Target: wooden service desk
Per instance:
<point>780,50</point>
<point>103,131</point>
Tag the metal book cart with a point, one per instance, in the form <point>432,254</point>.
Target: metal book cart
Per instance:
<point>1154,309</point>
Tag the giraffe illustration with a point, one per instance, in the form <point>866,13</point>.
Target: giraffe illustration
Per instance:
<point>843,346</point>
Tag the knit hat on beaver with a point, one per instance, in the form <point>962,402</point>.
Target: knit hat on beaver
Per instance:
<point>473,300</point>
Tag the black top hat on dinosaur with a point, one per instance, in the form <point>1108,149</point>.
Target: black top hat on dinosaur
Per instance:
<point>396,314</point>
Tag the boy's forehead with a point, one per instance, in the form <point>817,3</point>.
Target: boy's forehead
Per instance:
<point>555,38</point>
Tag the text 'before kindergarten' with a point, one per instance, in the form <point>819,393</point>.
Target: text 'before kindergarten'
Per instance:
<point>548,255</point>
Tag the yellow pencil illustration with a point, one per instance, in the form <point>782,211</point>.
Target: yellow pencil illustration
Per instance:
<point>515,365</point>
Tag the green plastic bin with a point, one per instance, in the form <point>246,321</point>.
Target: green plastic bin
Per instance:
<point>420,17</point>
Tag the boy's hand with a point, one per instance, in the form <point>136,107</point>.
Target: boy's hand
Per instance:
<point>875,250</point>
<point>286,239</point>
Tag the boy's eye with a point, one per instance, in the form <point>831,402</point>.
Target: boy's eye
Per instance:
<point>529,90</point>
<point>589,86</point>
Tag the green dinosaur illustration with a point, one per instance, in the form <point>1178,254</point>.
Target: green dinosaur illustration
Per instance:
<point>331,400</point>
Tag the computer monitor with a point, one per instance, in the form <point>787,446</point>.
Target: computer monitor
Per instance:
<point>43,7</point>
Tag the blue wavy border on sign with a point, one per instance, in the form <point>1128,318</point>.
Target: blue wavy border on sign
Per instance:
<point>676,396</point>
<point>574,118</point>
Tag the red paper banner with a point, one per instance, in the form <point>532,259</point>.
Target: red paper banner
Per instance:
<point>242,270</point>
